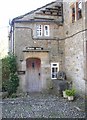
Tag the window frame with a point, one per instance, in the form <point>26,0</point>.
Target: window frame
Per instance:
<point>39,30</point>
<point>77,14</point>
<point>46,32</point>
<point>56,67</point>
<point>78,9</point>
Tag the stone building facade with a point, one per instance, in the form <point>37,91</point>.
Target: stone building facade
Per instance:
<point>75,43</point>
<point>47,40</point>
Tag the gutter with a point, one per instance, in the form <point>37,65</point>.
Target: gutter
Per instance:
<point>35,21</point>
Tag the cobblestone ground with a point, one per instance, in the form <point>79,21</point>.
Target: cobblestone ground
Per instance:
<point>43,106</point>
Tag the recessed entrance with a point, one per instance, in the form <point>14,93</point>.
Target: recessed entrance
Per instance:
<point>33,74</point>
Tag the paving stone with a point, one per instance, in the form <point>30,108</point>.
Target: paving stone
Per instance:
<point>43,106</point>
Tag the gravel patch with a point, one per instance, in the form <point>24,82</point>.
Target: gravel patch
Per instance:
<point>43,106</point>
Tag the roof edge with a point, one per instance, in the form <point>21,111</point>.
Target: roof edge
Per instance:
<point>31,12</point>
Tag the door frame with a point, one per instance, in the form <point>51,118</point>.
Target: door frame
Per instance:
<point>33,75</point>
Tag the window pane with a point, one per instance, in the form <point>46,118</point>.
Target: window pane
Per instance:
<point>73,14</point>
<point>52,69</point>
<point>56,69</point>
<point>73,10</point>
<point>80,5</point>
<point>46,30</point>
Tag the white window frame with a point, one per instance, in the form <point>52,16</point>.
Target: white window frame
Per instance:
<point>42,30</point>
<point>46,31</point>
<point>80,4</point>
<point>79,9</point>
<point>54,66</point>
<point>39,30</point>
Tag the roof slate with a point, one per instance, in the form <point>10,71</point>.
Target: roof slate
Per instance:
<point>31,12</point>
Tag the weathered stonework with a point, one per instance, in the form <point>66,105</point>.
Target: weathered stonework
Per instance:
<point>67,44</point>
<point>74,50</point>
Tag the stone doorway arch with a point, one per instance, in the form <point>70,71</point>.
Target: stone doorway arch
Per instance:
<point>42,70</point>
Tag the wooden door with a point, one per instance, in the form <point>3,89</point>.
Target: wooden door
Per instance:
<point>33,74</point>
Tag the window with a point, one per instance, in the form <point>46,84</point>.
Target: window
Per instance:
<point>46,30</point>
<point>76,10</point>
<point>73,13</point>
<point>79,9</point>
<point>54,70</point>
<point>42,30</point>
<point>39,30</point>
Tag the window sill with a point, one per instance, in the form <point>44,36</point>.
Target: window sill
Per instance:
<point>79,18</point>
<point>54,78</point>
<point>42,38</point>
<point>76,21</point>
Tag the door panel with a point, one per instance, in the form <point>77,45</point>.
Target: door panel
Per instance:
<point>33,74</point>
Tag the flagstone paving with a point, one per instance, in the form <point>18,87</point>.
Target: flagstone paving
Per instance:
<point>43,106</point>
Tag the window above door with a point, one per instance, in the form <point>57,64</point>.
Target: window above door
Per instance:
<point>39,30</point>
<point>46,30</point>
<point>42,31</point>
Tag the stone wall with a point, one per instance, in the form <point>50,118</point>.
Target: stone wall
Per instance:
<point>66,44</point>
<point>74,49</point>
<point>23,38</point>
<point>24,35</point>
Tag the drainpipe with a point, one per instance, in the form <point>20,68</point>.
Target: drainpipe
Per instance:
<point>62,13</point>
<point>12,36</point>
<point>13,39</point>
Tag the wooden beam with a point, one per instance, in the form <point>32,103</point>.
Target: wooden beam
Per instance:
<point>54,9</point>
<point>45,11</point>
<point>49,14</point>
<point>57,6</point>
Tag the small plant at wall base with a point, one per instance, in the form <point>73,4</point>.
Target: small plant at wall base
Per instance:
<point>11,81</point>
<point>70,93</point>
